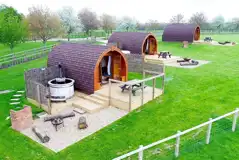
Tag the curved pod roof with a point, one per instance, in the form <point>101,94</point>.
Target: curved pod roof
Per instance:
<point>181,32</point>
<point>132,41</point>
<point>80,62</point>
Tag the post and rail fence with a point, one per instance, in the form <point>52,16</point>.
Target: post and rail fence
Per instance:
<point>179,134</point>
<point>13,59</point>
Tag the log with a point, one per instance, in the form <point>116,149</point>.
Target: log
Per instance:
<point>41,135</point>
<point>61,116</point>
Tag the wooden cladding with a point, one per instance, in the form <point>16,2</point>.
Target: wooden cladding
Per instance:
<point>119,67</point>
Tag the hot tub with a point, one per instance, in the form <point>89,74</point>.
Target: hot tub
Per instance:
<point>62,87</point>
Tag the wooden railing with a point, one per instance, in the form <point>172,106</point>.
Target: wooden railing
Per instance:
<point>13,59</point>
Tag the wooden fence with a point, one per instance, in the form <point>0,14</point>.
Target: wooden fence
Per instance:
<point>13,59</point>
<point>37,90</point>
<point>38,94</point>
<point>177,136</point>
<point>136,63</point>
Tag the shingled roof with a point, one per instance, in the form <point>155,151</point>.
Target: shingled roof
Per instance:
<point>181,32</point>
<point>131,41</point>
<point>78,62</point>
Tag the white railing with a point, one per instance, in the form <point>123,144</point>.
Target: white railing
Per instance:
<point>176,136</point>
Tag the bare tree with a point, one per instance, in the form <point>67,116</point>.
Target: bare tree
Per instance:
<point>179,18</point>
<point>198,18</point>
<point>235,23</point>
<point>108,23</point>
<point>140,26</point>
<point>126,23</point>
<point>88,20</point>
<point>218,23</point>
<point>44,23</point>
<point>152,25</point>
<point>69,20</point>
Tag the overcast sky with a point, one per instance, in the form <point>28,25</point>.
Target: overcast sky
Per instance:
<point>161,10</point>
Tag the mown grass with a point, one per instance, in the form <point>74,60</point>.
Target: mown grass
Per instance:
<point>191,97</point>
<point>21,47</point>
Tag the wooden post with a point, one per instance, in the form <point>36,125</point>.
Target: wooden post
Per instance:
<point>153,88</point>
<point>209,131</point>
<point>177,144</point>
<point>49,101</point>
<point>38,94</point>
<point>109,92</point>
<point>142,96</point>
<point>235,120</point>
<point>130,97</point>
<point>141,153</point>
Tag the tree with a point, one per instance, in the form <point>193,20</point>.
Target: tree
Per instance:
<point>69,20</point>
<point>218,22</point>
<point>108,23</point>
<point>13,27</point>
<point>199,19</point>
<point>179,18</point>
<point>140,26</point>
<point>44,23</point>
<point>235,23</point>
<point>88,20</point>
<point>152,25</point>
<point>126,23</point>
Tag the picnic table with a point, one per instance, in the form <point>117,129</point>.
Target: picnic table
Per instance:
<point>135,86</point>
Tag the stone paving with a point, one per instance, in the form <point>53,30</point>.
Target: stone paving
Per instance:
<point>70,134</point>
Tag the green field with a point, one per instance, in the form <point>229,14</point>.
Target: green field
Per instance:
<point>22,46</point>
<point>191,97</point>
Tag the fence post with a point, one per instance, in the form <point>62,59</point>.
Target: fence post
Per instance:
<point>153,89</point>
<point>130,97</point>
<point>142,97</point>
<point>141,153</point>
<point>109,92</point>
<point>209,131</point>
<point>234,124</point>
<point>49,100</point>
<point>177,144</point>
<point>38,95</point>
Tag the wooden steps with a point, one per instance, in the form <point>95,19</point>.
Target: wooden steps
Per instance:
<point>87,105</point>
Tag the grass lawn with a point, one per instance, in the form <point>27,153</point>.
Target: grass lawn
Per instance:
<point>191,97</point>
<point>22,46</point>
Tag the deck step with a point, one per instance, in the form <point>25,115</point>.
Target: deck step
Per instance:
<point>87,105</point>
<point>94,100</point>
<point>99,97</point>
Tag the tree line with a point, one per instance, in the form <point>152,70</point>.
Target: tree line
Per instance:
<point>42,23</point>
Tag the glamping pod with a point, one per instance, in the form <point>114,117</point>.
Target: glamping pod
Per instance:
<point>181,32</point>
<point>89,65</point>
<point>135,42</point>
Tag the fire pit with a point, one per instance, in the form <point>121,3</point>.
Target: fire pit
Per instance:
<point>56,122</point>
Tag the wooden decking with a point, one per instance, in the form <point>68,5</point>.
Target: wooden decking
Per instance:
<point>121,99</point>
